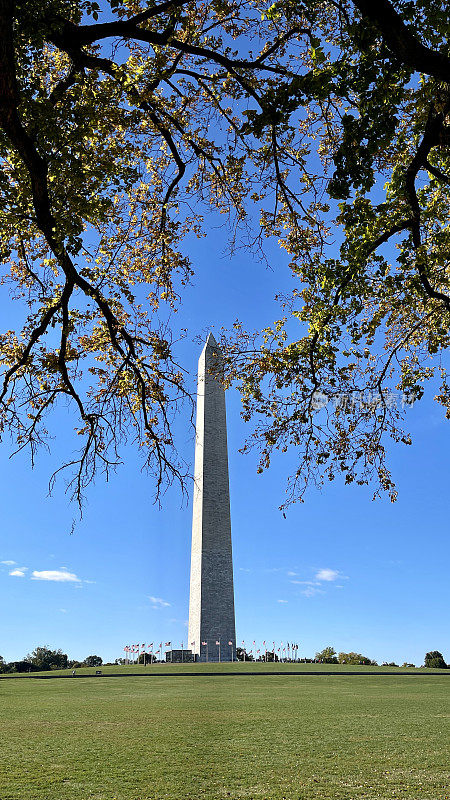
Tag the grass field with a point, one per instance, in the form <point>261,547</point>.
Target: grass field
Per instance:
<point>237,667</point>
<point>222,738</point>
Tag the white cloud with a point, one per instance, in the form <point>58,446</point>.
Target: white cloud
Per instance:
<point>291,573</point>
<point>306,583</point>
<point>63,610</point>
<point>60,576</point>
<point>158,602</point>
<point>328,575</point>
<point>8,563</point>
<point>310,591</point>
<point>244,569</point>
<point>281,601</point>
<point>18,572</point>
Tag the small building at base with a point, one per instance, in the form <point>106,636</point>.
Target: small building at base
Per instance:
<point>180,657</point>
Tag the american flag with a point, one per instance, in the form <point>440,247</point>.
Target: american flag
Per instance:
<point>192,644</point>
<point>167,644</point>
<point>151,644</point>
<point>205,644</point>
<point>231,644</point>
<point>218,642</point>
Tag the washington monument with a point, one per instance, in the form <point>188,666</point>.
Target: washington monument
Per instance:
<point>211,604</point>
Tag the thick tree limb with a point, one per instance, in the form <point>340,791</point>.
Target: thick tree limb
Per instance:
<point>401,40</point>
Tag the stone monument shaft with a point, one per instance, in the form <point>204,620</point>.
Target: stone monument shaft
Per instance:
<point>211,603</point>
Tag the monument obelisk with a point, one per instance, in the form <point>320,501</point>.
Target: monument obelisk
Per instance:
<point>211,603</point>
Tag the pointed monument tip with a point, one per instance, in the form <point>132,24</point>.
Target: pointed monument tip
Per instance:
<point>211,349</point>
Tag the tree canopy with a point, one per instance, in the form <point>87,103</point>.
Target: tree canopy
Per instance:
<point>93,661</point>
<point>434,659</point>
<point>43,658</point>
<point>327,655</point>
<point>322,124</point>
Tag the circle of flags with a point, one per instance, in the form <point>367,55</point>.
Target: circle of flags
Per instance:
<point>285,651</point>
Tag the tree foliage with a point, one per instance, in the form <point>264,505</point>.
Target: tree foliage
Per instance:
<point>355,658</point>
<point>327,655</point>
<point>371,296</point>
<point>44,658</point>
<point>435,659</point>
<point>93,661</point>
<point>322,124</point>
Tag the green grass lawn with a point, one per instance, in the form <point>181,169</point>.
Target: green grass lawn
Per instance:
<point>217,738</point>
<point>248,666</point>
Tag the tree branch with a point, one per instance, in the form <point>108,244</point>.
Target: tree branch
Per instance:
<point>401,40</point>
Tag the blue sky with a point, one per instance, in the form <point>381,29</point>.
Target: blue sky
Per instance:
<point>340,569</point>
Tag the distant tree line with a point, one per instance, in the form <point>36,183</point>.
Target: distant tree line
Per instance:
<point>43,659</point>
<point>434,659</point>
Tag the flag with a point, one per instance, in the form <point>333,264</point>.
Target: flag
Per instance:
<point>143,645</point>
<point>257,651</point>
<point>231,644</point>
<point>167,644</point>
<point>205,644</point>
<point>192,644</point>
<point>160,644</point>
<point>218,642</point>
<point>254,642</point>
<point>264,644</point>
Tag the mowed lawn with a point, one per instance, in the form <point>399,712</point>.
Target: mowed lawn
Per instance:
<point>216,738</point>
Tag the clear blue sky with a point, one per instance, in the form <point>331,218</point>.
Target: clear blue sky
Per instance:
<point>340,570</point>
